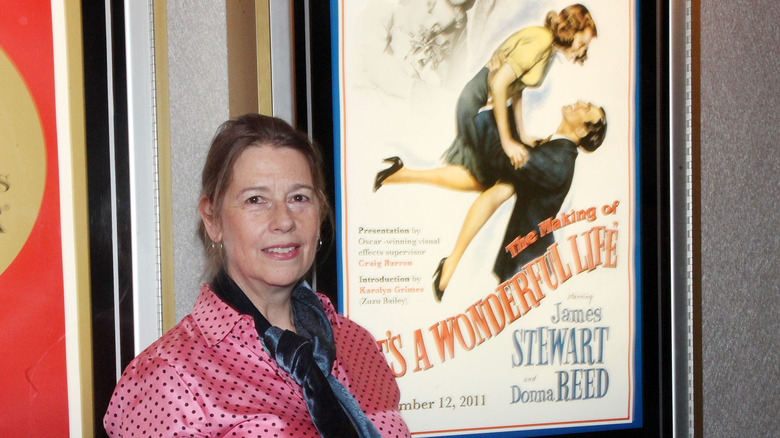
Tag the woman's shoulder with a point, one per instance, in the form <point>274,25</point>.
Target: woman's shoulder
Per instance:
<point>155,379</point>
<point>333,315</point>
<point>539,34</point>
<point>528,45</point>
<point>193,333</point>
<point>167,348</point>
<point>341,324</point>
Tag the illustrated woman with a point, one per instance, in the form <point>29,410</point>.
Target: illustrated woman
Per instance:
<point>261,354</point>
<point>521,61</point>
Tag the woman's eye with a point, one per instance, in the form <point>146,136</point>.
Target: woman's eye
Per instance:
<point>254,200</point>
<point>300,198</point>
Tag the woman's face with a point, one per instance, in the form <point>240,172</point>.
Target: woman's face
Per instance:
<point>579,46</point>
<point>269,222</point>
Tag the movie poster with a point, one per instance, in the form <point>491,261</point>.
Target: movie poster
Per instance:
<point>487,205</point>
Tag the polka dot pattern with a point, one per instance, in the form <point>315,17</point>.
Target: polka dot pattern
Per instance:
<point>210,377</point>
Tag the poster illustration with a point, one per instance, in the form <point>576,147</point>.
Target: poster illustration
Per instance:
<point>487,207</point>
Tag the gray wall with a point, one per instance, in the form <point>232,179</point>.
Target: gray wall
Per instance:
<point>740,120</point>
<point>198,78</point>
<point>740,124</point>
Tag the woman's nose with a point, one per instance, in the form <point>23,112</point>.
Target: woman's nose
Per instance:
<point>282,218</point>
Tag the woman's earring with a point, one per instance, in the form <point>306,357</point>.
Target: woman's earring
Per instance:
<point>319,244</point>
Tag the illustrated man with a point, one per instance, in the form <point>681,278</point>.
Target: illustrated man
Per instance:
<point>542,183</point>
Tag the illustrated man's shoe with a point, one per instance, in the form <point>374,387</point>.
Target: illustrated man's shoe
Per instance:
<point>438,293</point>
<point>382,175</point>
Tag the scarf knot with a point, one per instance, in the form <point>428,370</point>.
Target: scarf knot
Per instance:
<point>293,353</point>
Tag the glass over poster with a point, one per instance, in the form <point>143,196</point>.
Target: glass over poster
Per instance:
<point>488,156</point>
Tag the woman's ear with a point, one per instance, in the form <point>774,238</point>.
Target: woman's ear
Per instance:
<point>210,221</point>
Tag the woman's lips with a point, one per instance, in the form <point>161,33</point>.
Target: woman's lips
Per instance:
<point>282,252</point>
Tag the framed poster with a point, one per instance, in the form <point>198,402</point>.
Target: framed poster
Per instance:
<point>500,205</point>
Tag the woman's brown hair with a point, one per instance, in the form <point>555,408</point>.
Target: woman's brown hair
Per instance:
<point>565,24</point>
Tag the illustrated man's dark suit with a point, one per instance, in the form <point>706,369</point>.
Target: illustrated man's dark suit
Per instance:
<point>541,185</point>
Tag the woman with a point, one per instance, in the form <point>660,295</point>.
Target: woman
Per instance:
<point>521,61</point>
<point>261,354</point>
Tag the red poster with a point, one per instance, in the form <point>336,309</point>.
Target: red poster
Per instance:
<point>33,383</point>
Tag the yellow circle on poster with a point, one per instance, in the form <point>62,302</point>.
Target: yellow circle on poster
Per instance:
<point>22,162</point>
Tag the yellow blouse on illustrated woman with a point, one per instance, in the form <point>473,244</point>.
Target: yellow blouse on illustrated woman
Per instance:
<point>529,52</point>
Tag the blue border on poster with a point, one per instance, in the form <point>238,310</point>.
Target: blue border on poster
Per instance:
<point>335,81</point>
<point>638,371</point>
<point>638,354</point>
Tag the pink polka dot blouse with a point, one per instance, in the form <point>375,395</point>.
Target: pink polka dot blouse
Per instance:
<point>209,376</point>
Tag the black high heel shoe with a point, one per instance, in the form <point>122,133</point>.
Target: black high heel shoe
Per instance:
<point>438,293</point>
<point>382,175</point>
